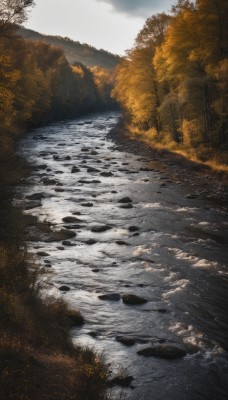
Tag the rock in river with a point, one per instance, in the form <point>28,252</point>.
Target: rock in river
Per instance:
<point>64,288</point>
<point>132,299</point>
<point>125,200</point>
<point>71,219</point>
<point>126,340</point>
<point>111,297</point>
<point>170,352</point>
<point>100,228</point>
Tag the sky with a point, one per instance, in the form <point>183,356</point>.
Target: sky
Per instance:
<point>108,24</point>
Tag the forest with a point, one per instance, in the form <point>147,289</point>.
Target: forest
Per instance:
<point>173,84</point>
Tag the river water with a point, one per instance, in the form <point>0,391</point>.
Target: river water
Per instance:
<point>176,260</point>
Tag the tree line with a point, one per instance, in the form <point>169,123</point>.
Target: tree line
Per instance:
<point>173,84</point>
<point>37,83</point>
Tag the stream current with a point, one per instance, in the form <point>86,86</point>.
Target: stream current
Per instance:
<point>176,260</point>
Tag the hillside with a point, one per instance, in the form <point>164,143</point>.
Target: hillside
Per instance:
<point>75,51</point>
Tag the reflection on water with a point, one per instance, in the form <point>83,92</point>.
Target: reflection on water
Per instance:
<point>164,258</point>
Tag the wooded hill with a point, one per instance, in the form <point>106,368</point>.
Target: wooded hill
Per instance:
<point>75,51</point>
<point>173,84</point>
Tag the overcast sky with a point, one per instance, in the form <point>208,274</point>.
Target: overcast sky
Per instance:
<point>108,24</point>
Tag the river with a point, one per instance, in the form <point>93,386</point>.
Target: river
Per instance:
<point>175,258</point>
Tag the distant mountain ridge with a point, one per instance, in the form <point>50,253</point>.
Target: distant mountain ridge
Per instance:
<point>75,51</point>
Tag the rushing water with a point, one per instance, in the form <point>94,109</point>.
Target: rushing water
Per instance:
<point>177,262</point>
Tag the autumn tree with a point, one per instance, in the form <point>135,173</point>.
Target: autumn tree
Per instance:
<point>12,14</point>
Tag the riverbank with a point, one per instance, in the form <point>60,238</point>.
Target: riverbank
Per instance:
<point>203,181</point>
<point>38,359</point>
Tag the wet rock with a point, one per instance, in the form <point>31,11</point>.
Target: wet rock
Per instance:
<point>77,213</point>
<point>75,170</point>
<point>162,310</point>
<point>88,181</point>
<point>106,174</point>
<point>35,196</point>
<point>41,166</point>
<point>68,243</point>
<point>91,241</point>
<point>94,152</point>
<point>121,243</point>
<point>100,228</point>
<point>126,206</point>
<point>42,254</point>
<point>71,219</point>
<point>68,158</point>
<point>126,340</point>
<point>120,381</point>
<point>125,200</point>
<point>87,204</point>
<point>94,334</point>
<point>33,204</point>
<point>59,190</point>
<point>114,191</point>
<point>95,270</point>
<point>84,149</point>
<point>133,228</point>
<point>74,226</point>
<point>60,248</point>
<point>110,297</point>
<point>163,185</point>
<point>64,288</point>
<point>49,182</point>
<point>132,299</point>
<point>91,169</point>
<point>167,351</point>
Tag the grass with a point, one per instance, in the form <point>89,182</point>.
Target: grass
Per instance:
<point>214,159</point>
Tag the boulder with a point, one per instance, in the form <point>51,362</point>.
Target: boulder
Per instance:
<point>121,243</point>
<point>167,351</point>
<point>64,288</point>
<point>100,228</point>
<point>42,254</point>
<point>132,299</point>
<point>126,340</point>
<point>125,200</point>
<point>106,174</point>
<point>74,170</point>
<point>133,229</point>
<point>91,241</point>
<point>35,196</point>
<point>70,219</point>
<point>87,204</point>
<point>126,206</point>
<point>111,297</point>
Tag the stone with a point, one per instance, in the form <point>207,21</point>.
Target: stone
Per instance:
<point>133,228</point>
<point>167,351</point>
<point>42,254</point>
<point>94,152</point>
<point>95,270</point>
<point>70,219</point>
<point>35,196</point>
<point>106,174</point>
<point>59,190</point>
<point>132,299</point>
<point>111,297</point>
<point>64,288</point>
<point>121,243</point>
<point>91,169</point>
<point>68,243</point>
<point>126,340</point>
<point>100,228</point>
<point>75,318</point>
<point>125,200</point>
<point>91,241</point>
<point>33,204</point>
<point>126,206</point>
<point>74,170</point>
<point>87,204</point>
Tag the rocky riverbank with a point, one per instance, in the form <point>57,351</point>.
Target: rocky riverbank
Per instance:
<point>203,181</point>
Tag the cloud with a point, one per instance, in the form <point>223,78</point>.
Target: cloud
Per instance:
<point>140,8</point>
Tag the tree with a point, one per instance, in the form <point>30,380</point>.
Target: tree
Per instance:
<point>12,14</point>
